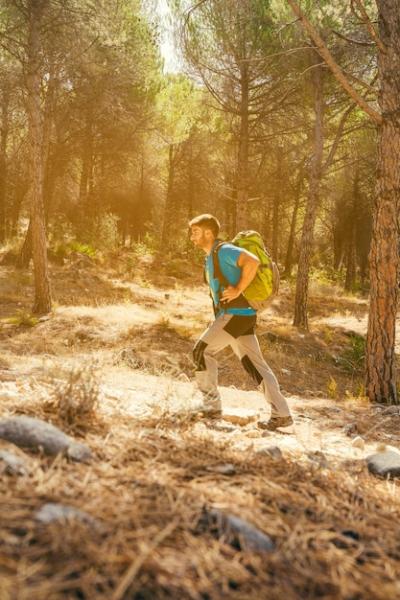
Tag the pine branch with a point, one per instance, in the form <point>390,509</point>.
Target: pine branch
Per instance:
<point>365,18</point>
<point>332,64</point>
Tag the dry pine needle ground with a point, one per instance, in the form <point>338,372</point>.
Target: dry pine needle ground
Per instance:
<point>335,531</point>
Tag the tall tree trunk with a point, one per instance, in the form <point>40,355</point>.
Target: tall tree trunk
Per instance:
<point>49,163</point>
<point>307,237</point>
<point>169,210</point>
<point>243,151</point>
<point>190,190</point>
<point>384,253</point>
<point>25,254</point>
<point>350,261</point>
<point>87,164</point>
<point>267,229</point>
<point>276,205</point>
<point>42,303</point>
<point>3,161</point>
<point>293,223</point>
<point>351,242</point>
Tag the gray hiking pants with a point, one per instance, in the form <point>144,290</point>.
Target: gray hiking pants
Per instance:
<point>236,331</point>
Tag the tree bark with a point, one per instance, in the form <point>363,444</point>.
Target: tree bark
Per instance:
<point>3,161</point>
<point>351,263</point>
<point>42,303</point>
<point>293,223</point>
<point>86,180</point>
<point>49,163</point>
<point>307,238</point>
<point>243,151</point>
<point>384,253</point>
<point>169,210</point>
<point>276,205</point>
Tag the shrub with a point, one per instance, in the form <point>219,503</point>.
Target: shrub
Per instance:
<point>23,319</point>
<point>353,357</point>
<point>75,396</point>
<point>332,388</point>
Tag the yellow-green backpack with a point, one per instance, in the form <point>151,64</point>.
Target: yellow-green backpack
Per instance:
<point>265,284</point>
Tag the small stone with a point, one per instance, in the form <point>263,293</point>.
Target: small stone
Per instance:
<point>384,464</point>
<point>236,531</point>
<point>319,458</point>
<point>28,432</point>
<point>254,433</point>
<point>392,411</point>
<point>227,469</point>
<point>272,451</point>
<point>56,513</point>
<point>224,426</point>
<point>240,416</point>
<point>286,371</point>
<point>358,442</point>
<point>12,464</point>
<point>350,429</point>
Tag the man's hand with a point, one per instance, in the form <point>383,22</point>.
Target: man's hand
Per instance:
<point>230,293</point>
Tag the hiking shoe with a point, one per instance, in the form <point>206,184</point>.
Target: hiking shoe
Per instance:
<point>275,422</point>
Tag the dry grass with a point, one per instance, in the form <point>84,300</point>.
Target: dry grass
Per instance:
<point>147,487</point>
<point>74,397</point>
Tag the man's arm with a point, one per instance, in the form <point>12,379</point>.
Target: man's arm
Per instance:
<point>249,265</point>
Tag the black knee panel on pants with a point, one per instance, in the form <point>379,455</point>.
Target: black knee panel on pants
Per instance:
<point>240,325</point>
<point>251,369</point>
<point>198,355</point>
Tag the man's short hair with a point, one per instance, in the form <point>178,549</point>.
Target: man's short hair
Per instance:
<point>207,221</point>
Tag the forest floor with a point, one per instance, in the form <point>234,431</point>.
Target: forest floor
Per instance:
<point>127,331</point>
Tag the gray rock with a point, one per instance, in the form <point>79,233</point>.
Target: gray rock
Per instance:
<point>56,513</point>
<point>384,464</point>
<point>225,469</point>
<point>12,464</point>
<point>350,429</point>
<point>235,531</point>
<point>272,451</point>
<point>28,432</point>
<point>224,426</point>
<point>319,458</point>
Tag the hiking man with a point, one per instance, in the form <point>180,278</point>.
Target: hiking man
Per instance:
<point>234,324</point>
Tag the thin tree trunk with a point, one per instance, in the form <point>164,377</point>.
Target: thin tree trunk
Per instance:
<point>293,224</point>
<point>190,190</point>
<point>3,162</point>
<point>384,253</point>
<point>169,212</point>
<point>267,230</point>
<point>351,245</point>
<point>87,163</point>
<point>190,187</point>
<point>243,151</point>
<point>350,262</point>
<point>276,205</point>
<point>42,303</point>
<point>307,237</point>
<point>48,163</point>
<point>25,254</point>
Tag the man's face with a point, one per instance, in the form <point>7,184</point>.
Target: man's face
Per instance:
<point>198,236</point>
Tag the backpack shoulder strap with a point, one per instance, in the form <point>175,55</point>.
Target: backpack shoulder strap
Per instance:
<point>217,268</point>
